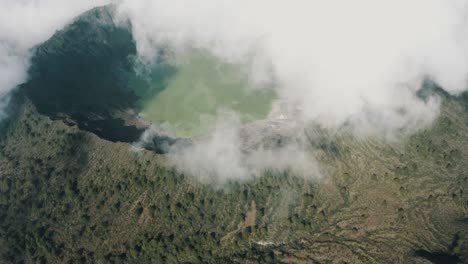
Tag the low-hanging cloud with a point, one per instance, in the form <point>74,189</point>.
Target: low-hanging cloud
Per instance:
<point>336,62</point>
<point>225,155</point>
<point>25,24</point>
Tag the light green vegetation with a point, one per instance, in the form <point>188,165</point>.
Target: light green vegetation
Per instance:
<point>201,86</point>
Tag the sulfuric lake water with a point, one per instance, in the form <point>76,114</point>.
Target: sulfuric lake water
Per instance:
<point>199,86</point>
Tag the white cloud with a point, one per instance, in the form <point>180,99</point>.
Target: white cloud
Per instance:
<point>336,60</point>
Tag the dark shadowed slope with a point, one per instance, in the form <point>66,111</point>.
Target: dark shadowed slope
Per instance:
<point>82,75</point>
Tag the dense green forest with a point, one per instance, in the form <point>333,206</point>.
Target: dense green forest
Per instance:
<point>69,196</point>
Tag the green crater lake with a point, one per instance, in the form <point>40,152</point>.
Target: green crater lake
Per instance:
<point>199,86</point>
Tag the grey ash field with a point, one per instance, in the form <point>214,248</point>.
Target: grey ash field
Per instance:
<point>72,191</point>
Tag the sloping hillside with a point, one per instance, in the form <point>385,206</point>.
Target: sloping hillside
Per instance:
<point>67,195</point>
